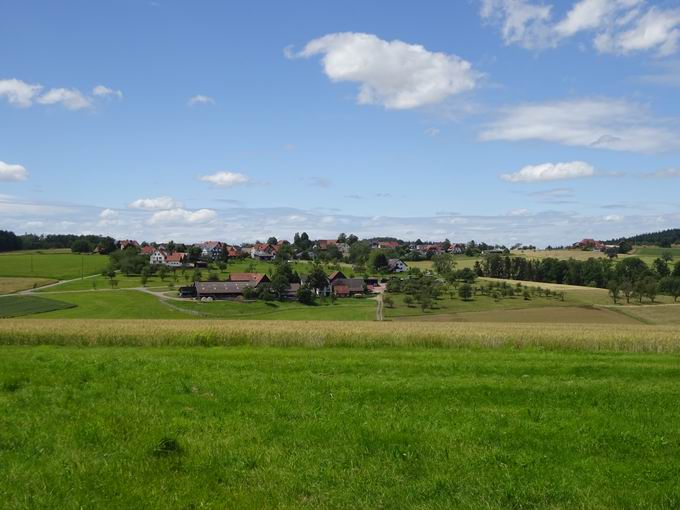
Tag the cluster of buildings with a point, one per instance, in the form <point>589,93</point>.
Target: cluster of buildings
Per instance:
<point>238,284</point>
<point>593,245</point>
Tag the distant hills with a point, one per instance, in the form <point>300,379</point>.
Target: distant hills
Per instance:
<point>664,238</point>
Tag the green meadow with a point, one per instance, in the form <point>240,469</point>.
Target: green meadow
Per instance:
<point>249,427</point>
<point>49,264</point>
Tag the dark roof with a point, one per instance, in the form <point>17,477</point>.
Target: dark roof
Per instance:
<point>353,284</point>
<point>257,278</point>
<point>226,288</point>
<point>335,275</point>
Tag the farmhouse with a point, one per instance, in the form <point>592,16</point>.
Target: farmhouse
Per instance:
<point>457,248</point>
<point>148,250</point>
<point>157,257</point>
<point>263,251</point>
<point>324,244</point>
<point>211,249</point>
<point>256,278</point>
<point>222,290</point>
<point>127,243</point>
<point>346,287</point>
<point>397,266</point>
<point>175,259</point>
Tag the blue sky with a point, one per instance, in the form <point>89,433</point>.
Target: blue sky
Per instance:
<point>497,120</point>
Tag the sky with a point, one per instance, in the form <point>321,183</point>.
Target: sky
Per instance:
<point>505,121</point>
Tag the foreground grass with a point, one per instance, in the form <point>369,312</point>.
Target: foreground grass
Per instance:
<point>253,427</point>
<point>370,335</point>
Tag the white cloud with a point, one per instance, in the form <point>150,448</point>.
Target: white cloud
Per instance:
<point>551,172</point>
<point>395,74</point>
<point>613,217</point>
<point>598,123</point>
<point>665,174</point>
<point>522,22</point>
<point>432,131</point>
<point>18,93</point>
<point>10,172</point>
<point>183,217</point>
<point>72,99</point>
<point>618,26</point>
<point>108,214</point>
<point>200,99</point>
<point>102,91</point>
<point>157,203</point>
<point>225,179</point>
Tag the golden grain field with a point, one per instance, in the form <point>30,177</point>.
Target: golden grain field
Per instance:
<point>585,337</point>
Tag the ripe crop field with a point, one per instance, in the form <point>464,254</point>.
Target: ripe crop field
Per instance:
<point>9,284</point>
<point>60,266</point>
<point>388,417</point>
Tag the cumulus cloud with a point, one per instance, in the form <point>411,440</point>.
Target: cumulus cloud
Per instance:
<point>617,26</point>
<point>551,172</point>
<point>72,99</point>
<point>9,172</point>
<point>108,214</point>
<point>157,203</point>
<point>598,123</point>
<point>200,99</point>
<point>225,179</point>
<point>19,93</point>
<point>23,95</point>
<point>183,217</point>
<point>669,173</point>
<point>394,74</point>
<point>103,91</point>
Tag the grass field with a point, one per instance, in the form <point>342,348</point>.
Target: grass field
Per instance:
<point>462,261</point>
<point>248,427</point>
<point>9,284</point>
<point>132,304</point>
<point>59,266</point>
<point>15,306</point>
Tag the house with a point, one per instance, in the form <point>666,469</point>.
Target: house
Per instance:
<point>457,248</point>
<point>387,245</point>
<point>347,287</point>
<point>590,244</point>
<point>187,291</point>
<point>127,243</point>
<point>222,290</point>
<point>263,251</point>
<point>211,249</point>
<point>335,275</point>
<point>157,257</point>
<point>255,278</point>
<point>397,266</point>
<point>343,248</point>
<point>233,252</point>
<point>291,291</point>
<point>175,259</point>
<point>148,250</point>
<point>324,244</point>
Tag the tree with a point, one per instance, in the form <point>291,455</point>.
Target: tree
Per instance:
<point>272,240</point>
<point>144,276</point>
<point>342,238</point>
<point>388,301</point>
<point>9,241</point>
<point>443,264</point>
<point>171,246</point>
<point>317,279</point>
<point>465,292</point>
<point>661,267</point>
<point>196,277</point>
<point>378,261</point>
<point>667,255</point>
<point>650,288</point>
<point>81,246</point>
<point>195,253</point>
<point>305,296</point>
<point>352,239</point>
<point>671,286</point>
<point>614,288</point>
<point>279,284</point>
<point>212,277</point>
<point>113,282</point>
<point>627,290</point>
<point>162,272</point>
<point>408,300</point>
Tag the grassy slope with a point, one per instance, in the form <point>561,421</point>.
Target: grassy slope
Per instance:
<point>10,284</point>
<point>61,266</point>
<point>131,304</point>
<point>340,428</point>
